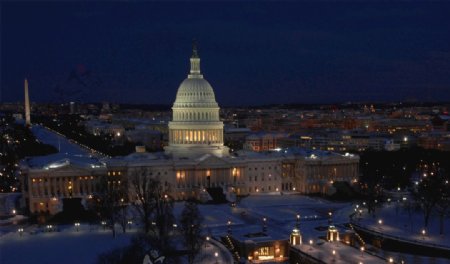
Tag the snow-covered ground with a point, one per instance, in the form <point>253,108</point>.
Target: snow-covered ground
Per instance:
<point>395,221</point>
<point>60,142</point>
<point>66,246</point>
<point>69,246</point>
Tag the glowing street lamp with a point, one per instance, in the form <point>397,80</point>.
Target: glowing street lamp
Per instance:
<point>330,215</point>
<point>391,260</point>
<point>423,233</point>
<point>298,220</point>
<point>362,251</point>
<point>380,222</point>
<point>334,254</point>
<point>216,255</point>
<point>207,241</point>
<point>77,225</point>
<point>20,230</point>
<point>310,244</point>
<point>264,224</point>
<point>229,227</point>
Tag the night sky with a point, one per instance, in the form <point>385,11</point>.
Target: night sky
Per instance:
<point>252,53</point>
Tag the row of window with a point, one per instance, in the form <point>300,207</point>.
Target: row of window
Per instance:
<point>262,189</point>
<point>262,178</point>
<point>57,179</point>
<point>262,168</point>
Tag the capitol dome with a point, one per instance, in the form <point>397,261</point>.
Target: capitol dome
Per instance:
<point>195,127</point>
<point>195,91</point>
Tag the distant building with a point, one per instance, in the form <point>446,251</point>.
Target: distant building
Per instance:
<point>47,180</point>
<point>263,141</point>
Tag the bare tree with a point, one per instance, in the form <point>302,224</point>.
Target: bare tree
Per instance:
<point>427,195</point>
<point>153,204</point>
<point>108,199</point>
<point>443,203</point>
<point>143,188</point>
<point>191,221</point>
<point>410,207</point>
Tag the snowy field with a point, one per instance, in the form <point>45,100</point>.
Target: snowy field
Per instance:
<point>69,246</point>
<point>395,221</point>
<point>58,141</point>
<point>66,246</point>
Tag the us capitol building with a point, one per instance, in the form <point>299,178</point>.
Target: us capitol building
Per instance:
<point>194,162</point>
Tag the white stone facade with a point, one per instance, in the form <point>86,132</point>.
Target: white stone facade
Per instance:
<point>195,128</point>
<point>195,160</point>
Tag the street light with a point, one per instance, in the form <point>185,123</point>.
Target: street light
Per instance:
<point>298,220</point>
<point>264,224</point>
<point>207,241</point>
<point>334,254</point>
<point>330,214</point>
<point>362,251</point>
<point>391,260</point>
<point>20,230</point>
<point>229,227</point>
<point>310,244</point>
<point>423,233</point>
<point>380,222</point>
<point>216,255</point>
<point>77,225</point>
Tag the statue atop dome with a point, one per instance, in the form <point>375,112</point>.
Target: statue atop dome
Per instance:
<point>195,62</point>
<point>194,49</point>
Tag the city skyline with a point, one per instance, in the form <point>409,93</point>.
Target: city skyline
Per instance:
<point>265,52</point>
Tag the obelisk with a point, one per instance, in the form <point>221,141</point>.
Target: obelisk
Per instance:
<point>27,105</point>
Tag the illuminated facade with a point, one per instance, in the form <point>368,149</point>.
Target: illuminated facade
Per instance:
<point>195,127</point>
<point>49,179</point>
<point>194,161</point>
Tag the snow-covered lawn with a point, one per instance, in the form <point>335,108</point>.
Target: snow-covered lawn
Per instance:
<point>58,141</point>
<point>395,221</point>
<point>66,246</point>
<point>69,246</point>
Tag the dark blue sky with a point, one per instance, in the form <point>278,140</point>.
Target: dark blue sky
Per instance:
<point>252,53</point>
